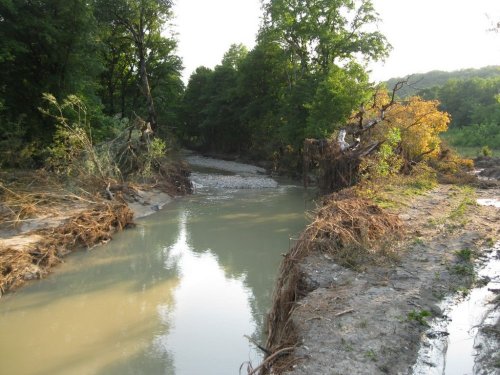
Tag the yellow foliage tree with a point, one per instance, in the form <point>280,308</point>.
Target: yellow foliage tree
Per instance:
<point>419,123</point>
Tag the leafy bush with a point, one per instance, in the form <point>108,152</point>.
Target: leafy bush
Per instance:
<point>15,151</point>
<point>73,152</point>
<point>486,151</point>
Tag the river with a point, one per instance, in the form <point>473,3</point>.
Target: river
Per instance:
<point>175,295</point>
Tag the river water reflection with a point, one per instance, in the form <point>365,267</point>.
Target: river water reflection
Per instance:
<point>175,295</point>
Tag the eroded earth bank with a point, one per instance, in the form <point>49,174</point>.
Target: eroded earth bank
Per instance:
<point>370,317</point>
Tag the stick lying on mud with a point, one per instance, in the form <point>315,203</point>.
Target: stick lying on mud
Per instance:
<point>344,312</point>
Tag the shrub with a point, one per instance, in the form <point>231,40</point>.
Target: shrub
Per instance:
<point>486,151</point>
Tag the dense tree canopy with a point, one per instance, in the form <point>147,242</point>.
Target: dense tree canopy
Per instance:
<point>474,108</point>
<point>470,101</point>
<point>319,34</point>
<point>111,53</point>
<point>303,78</point>
<point>46,46</point>
<point>140,22</point>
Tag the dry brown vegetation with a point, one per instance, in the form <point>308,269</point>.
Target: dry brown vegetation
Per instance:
<point>349,229</point>
<point>58,215</point>
<point>90,227</point>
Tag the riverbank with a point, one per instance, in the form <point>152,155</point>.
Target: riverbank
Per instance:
<point>141,303</point>
<point>43,219</point>
<point>369,319</point>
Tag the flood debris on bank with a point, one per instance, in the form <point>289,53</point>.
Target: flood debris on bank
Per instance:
<point>351,297</point>
<point>347,230</point>
<point>85,192</point>
<point>334,313</point>
<point>33,260</point>
<point>43,218</point>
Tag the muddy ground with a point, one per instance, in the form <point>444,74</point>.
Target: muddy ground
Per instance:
<point>367,321</point>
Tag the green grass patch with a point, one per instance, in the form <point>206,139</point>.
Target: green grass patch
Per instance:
<point>465,255</point>
<point>472,152</point>
<point>463,270</point>
<point>467,200</point>
<point>371,355</point>
<point>469,141</point>
<point>419,316</point>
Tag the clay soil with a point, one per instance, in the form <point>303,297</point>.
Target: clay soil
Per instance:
<point>358,320</point>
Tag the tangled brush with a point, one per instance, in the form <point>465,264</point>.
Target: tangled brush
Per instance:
<point>87,229</point>
<point>353,232</point>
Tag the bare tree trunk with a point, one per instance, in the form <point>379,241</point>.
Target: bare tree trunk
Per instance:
<point>146,90</point>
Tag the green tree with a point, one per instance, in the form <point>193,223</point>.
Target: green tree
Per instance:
<point>322,41</point>
<point>213,103</point>
<point>301,79</point>
<point>194,105</point>
<point>235,56</point>
<point>118,79</point>
<point>262,83</point>
<point>141,21</point>
<point>336,96</point>
<point>317,34</point>
<point>45,46</point>
<point>468,101</point>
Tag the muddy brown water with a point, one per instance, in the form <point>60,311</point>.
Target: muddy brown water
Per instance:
<point>175,295</point>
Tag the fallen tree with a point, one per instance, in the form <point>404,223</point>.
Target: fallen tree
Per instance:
<point>388,136</point>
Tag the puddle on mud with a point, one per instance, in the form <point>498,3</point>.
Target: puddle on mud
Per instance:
<point>455,344</point>
<point>489,202</point>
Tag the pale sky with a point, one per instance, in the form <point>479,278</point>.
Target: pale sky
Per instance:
<point>425,34</point>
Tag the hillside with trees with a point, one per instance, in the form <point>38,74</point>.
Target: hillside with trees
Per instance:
<point>470,97</point>
<point>436,78</point>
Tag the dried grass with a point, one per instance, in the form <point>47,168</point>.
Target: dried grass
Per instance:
<point>39,196</point>
<point>87,229</point>
<point>351,230</point>
<point>27,195</point>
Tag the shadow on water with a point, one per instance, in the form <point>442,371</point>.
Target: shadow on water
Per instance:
<point>147,361</point>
